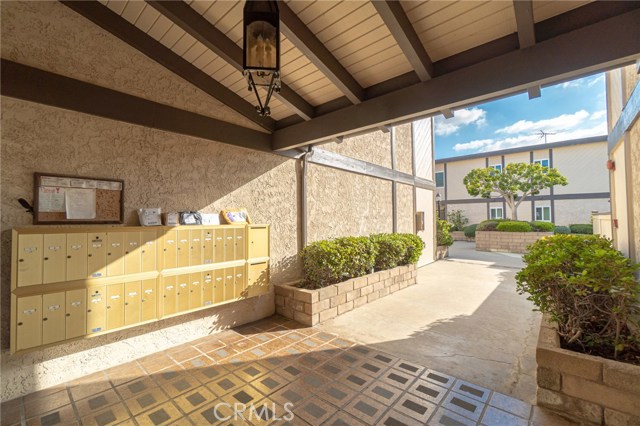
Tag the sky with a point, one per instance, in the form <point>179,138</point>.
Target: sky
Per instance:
<point>570,110</point>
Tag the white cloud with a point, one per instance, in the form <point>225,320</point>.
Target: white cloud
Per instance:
<point>487,145</point>
<point>461,118</point>
<point>596,80</point>
<point>598,115</point>
<point>582,82</point>
<point>559,123</point>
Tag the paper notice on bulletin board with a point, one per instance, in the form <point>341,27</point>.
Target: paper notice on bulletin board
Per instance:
<point>80,203</point>
<point>51,199</point>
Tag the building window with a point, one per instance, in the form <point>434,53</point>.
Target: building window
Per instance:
<point>543,163</point>
<point>498,167</point>
<point>496,213</point>
<point>439,179</point>
<point>543,213</point>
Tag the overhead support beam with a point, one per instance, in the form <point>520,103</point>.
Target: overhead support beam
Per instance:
<point>447,113</point>
<point>130,34</point>
<point>396,20</point>
<point>306,41</point>
<point>34,85</point>
<point>202,30</point>
<point>534,92</point>
<point>524,23</point>
<point>603,45</point>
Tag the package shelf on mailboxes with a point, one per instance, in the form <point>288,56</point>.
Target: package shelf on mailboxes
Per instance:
<point>69,283</point>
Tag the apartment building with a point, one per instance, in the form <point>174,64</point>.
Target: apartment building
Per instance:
<point>582,161</point>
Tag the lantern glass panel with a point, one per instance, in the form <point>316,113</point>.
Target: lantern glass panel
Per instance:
<point>261,46</point>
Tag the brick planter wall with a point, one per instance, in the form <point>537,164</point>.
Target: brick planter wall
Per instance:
<point>442,252</point>
<point>311,307</point>
<point>510,242</point>
<point>459,236</point>
<point>593,389</point>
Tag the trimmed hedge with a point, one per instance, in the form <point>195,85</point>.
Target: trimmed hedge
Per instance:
<point>562,230</point>
<point>487,225</point>
<point>514,226</point>
<point>470,231</point>
<point>443,234</point>
<point>329,262</point>
<point>586,228</point>
<point>542,226</point>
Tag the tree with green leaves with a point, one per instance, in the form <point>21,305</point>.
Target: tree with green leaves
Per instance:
<point>515,182</point>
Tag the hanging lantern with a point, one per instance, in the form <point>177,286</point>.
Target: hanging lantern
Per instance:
<point>261,50</point>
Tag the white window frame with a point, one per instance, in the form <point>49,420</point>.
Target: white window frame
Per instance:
<point>540,162</point>
<point>496,209</point>
<point>436,179</point>
<point>542,209</point>
<point>497,167</point>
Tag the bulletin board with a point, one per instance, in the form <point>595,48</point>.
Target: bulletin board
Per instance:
<point>64,199</point>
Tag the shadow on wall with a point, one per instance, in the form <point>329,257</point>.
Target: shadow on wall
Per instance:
<point>160,169</point>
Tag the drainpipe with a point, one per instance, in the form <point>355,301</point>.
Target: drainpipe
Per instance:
<point>303,195</point>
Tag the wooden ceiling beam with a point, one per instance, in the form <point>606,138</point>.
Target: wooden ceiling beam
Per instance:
<point>202,30</point>
<point>603,45</point>
<point>130,34</point>
<point>396,20</point>
<point>525,27</point>
<point>307,42</point>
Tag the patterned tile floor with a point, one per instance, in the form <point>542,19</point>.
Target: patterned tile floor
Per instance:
<point>273,367</point>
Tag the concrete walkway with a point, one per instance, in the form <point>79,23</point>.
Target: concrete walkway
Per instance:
<point>463,318</point>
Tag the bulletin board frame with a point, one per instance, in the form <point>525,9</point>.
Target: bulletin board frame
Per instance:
<point>51,194</point>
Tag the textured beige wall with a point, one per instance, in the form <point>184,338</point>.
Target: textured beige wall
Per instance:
<point>634,136</point>
<point>456,171</point>
<point>631,80</point>
<point>52,37</point>
<point>404,194</point>
<point>475,212</point>
<point>403,135</point>
<point>374,147</point>
<point>568,212</point>
<point>343,204</point>
<point>517,157</point>
<point>584,167</point>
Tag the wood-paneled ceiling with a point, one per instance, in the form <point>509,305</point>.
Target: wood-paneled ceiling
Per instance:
<point>349,66</point>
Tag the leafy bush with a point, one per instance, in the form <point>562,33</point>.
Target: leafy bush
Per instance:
<point>585,228</point>
<point>457,219</point>
<point>414,244</point>
<point>587,287</point>
<point>332,261</point>
<point>390,250</point>
<point>542,226</point>
<point>470,231</point>
<point>562,230</point>
<point>443,234</point>
<point>487,225</point>
<point>514,226</point>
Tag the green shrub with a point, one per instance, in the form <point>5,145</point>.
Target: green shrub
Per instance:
<point>587,287</point>
<point>390,250</point>
<point>542,226</point>
<point>457,219</point>
<point>443,234</point>
<point>585,228</point>
<point>415,245</point>
<point>514,226</point>
<point>470,231</point>
<point>487,225</point>
<point>562,230</point>
<point>328,262</point>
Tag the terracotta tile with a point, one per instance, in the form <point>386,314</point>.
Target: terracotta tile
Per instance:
<point>183,353</point>
<point>10,414</point>
<point>196,363</point>
<point>398,379</point>
<point>63,415</point>
<point>269,383</point>
<point>266,411</point>
<point>209,345</point>
<point>246,395</point>
<point>38,394</point>
<point>221,354</point>
<point>98,377</point>
<point>206,374</point>
<point>409,367</point>
<point>343,419</point>
<point>371,367</point>
<point>225,384</point>
<point>336,393</point>
<point>195,399</point>
<point>96,402</point>
<point>243,345</point>
<point>250,371</point>
<point>82,391</point>
<point>444,416</point>
<point>332,369</point>
<point>262,337</point>
<point>428,391</point>
<point>135,388</point>
<point>236,361</point>
<point>383,358</point>
<point>293,337</point>
<point>116,414</point>
<point>125,373</point>
<point>275,345</point>
<point>312,381</point>
<point>315,411</point>
<point>182,384</point>
<point>228,337</point>
<point>348,359</point>
<point>291,393</point>
<point>156,362</point>
<point>292,371</point>
<point>398,419</point>
<point>356,380</point>
<point>47,403</point>
<point>184,421</point>
<point>383,393</point>
<point>161,415</point>
<point>146,400</point>
<point>213,413</point>
<point>169,374</point>
<point>415,407</point>
<point>366,409</point>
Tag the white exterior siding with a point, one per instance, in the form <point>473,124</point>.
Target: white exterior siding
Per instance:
<point>455,175</point>
<point>585,167</point>
<point>569,212</point>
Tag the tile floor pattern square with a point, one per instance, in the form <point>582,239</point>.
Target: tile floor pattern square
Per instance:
<point>278,367</point>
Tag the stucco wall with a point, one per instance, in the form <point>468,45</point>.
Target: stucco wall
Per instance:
<point>455,175</point>
<point>579,161</point>
<point>374,147</point>
<point>634,136</point>
<point>568,212</point>
<point>404,161</point>
<point>404,194</point>
<point>343,204</point>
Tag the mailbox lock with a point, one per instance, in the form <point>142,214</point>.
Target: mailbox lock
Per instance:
<point>108,254</point>
<point>89,255</point>
<point>88,310</point>
<point>44,319</point>
<point>68,315</point>
<point>126,303</point>
<point>69,257</point>
<point>20,260</point>
<point>19,323</point>
<point>46,258</point>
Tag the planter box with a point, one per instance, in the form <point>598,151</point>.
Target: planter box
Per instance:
<point>442,252</point>
<point>311,307</point>
<point>459,236</point>
<point>590,388</point>
<point>509,242</point>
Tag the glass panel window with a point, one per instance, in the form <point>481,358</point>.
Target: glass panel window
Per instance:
<point>543,163</point>
<point>496,213</point>
<point>498,167</point>
<point>439,179</point>
<point>543,213</point>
